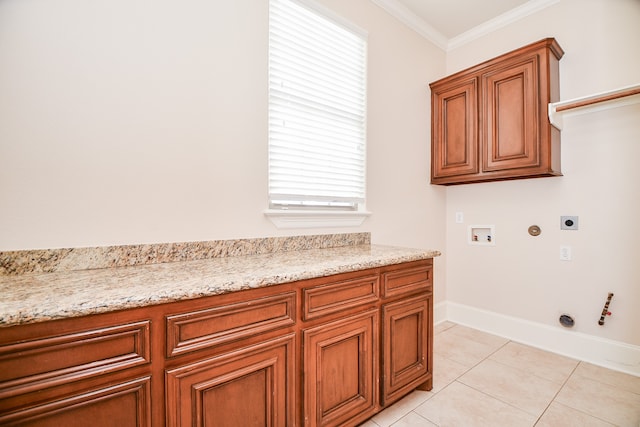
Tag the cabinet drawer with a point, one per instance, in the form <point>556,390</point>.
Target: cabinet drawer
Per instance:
<point>337,296</point>
<point>214,326</point>
<point>407,280</point>
<point>121,404</point>
<point>53,360</point>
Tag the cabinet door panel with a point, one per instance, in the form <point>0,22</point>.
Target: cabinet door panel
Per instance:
<point>341,370</point>
<point>454,109</point>
<point>126,404</point>
<point>252,386</point>
<point>511,113</point>
<point>407,346</point>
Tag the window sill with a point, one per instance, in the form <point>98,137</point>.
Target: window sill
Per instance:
<point>315,219</point>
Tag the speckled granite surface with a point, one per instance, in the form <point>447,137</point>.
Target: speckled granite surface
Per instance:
<point>31,298</point>
<point>52,260</point>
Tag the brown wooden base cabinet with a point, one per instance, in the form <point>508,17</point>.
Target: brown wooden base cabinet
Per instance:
<point>329,351</point>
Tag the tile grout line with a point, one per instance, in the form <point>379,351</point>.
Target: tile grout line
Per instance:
<point>497,398</point>
<point>536,419</point>
<point>494,397</point>
<point>573,372</point>
<point>456,380</point>
<point>557,393</point>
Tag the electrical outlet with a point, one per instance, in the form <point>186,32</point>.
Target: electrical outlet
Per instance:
<point>568,223</point>
<point>565,253</point>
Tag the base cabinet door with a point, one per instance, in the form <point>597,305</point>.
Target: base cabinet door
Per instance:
<point>253,386</point>
<point>406,344</point>
<point>340,372</point>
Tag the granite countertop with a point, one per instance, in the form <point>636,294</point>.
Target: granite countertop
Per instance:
<point>38,297</point>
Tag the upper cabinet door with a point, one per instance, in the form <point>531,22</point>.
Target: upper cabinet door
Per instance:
<point>511,112</point>
<point>455,126</point>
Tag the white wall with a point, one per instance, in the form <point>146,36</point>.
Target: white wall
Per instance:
<point>135,121</point>
<point>522,276</point>
<point>131,121</point>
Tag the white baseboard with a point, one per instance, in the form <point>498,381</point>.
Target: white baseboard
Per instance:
<point>610,354</point>
<point>440,312</point>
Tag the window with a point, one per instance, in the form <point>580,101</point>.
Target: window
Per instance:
<point>317,100</point>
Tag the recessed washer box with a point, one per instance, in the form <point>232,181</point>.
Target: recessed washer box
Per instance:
<point>482,235</point>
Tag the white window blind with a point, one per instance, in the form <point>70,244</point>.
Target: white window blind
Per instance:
<point>317,99</point>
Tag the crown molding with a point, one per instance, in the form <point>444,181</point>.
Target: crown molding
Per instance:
<point>529,8</point>
<point>413,21</point>
<point>419,25</point>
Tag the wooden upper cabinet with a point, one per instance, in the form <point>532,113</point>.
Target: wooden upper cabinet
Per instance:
<point>489,122</point>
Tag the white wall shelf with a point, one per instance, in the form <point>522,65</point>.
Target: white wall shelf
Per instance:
<point>600,101</point>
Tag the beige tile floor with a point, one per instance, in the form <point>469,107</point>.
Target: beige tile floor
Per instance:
<point>484,380</point>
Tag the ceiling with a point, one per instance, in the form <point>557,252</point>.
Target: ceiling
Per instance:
<point>454,17</point>
<point>450,23</point>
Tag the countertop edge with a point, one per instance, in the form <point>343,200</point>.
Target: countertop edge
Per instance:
<point>181,281</point>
